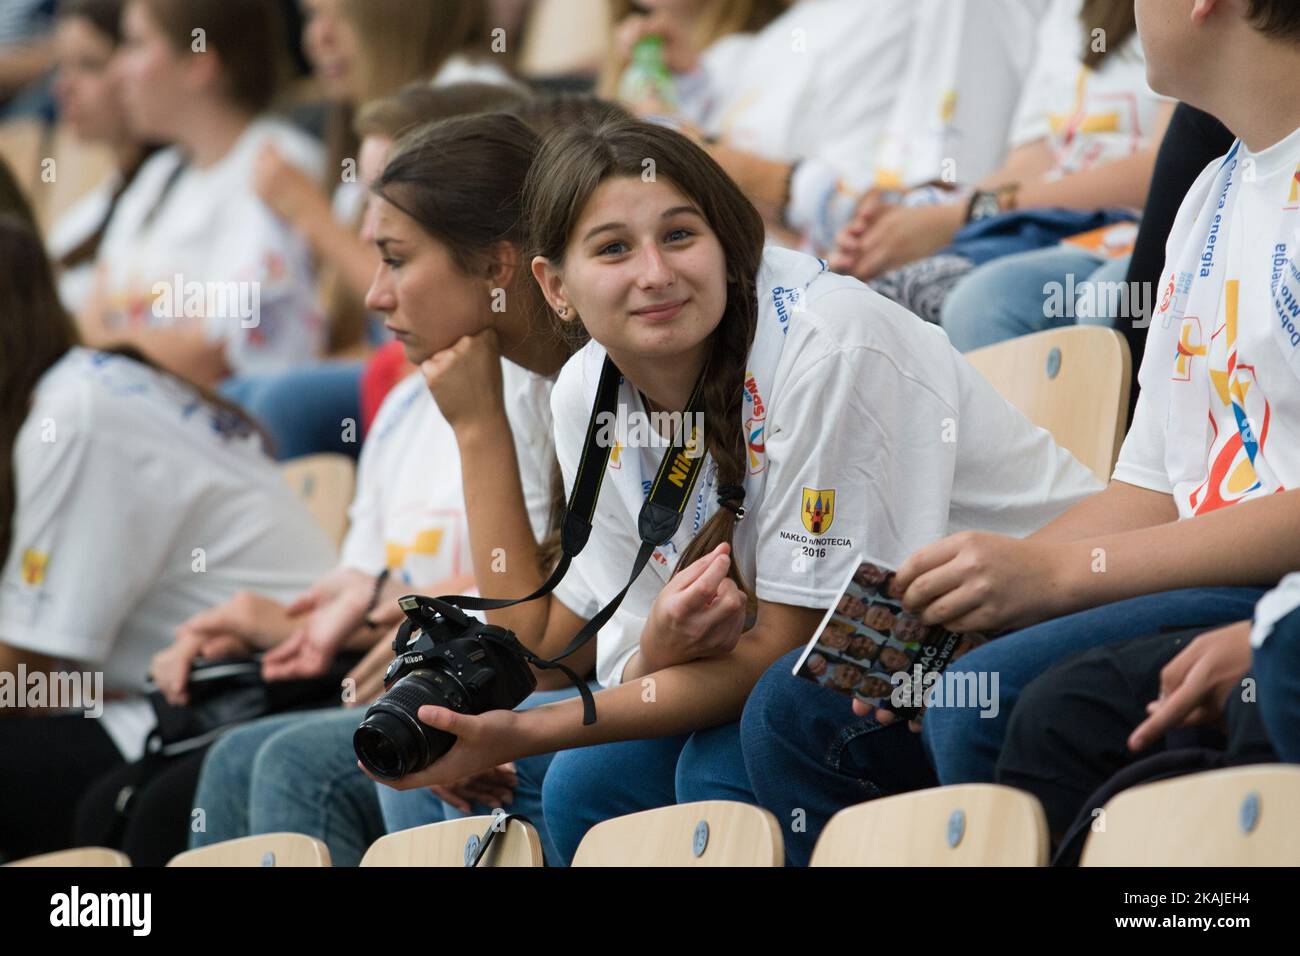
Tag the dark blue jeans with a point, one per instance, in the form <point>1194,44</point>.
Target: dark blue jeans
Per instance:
<point>1277,676</point>
<point>964,741</point>
<point>809,756</point>
<point>307,410</point>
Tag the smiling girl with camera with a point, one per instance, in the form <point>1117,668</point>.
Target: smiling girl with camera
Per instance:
<point>868,417</point>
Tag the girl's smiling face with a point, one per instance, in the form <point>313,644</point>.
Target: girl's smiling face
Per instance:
<point>643,270</point>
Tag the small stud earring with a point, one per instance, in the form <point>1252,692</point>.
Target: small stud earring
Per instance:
<point>562,312</point>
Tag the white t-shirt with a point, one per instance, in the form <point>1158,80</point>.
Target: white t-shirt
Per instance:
<point>138,507</point>
<point>408,514</point>
<point>965,73</point>
<point>816,85</point>
<point>1088,116</point>
<point>854,407</point>
<point>213,251</point>
<point>1218,419</point>
<point>1274,606</point>
<point>76,285</point>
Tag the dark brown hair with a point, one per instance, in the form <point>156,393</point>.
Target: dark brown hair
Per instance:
<point>420,104</point>
<point>35,332</point>
<point>106,17</point>
<point>1117,21</point>
<point>572,164</point>
<point>1276,18</point>
<point>248,36</point>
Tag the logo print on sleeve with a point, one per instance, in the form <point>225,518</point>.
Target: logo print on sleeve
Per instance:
<point>755,427</point>
<point>818,509</point>
<point>34,566</point>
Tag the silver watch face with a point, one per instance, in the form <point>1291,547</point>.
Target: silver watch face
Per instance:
<point>985,206</point>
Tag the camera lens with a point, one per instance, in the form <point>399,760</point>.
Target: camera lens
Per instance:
<point>391,741</point>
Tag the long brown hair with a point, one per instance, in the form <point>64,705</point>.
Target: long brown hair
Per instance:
<point>401,42</point>
<point>720,18</point>
<point>105,16</point>
<point>1117,21</point>
<point>571,166</point>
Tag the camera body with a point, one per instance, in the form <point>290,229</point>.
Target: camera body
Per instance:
<point>448,659</point>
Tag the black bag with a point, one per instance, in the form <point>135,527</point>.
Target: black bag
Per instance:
<point>229,692</point>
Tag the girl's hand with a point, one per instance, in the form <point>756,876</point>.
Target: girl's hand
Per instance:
<point>885,717</point>
<point>491,788</point>
<point>288,191</point>
<point>170,668</point>
<point>699,613</point>
<point>328,614</point>
<point>848,244</point>
<point>680,56</point>
<point>483,741</point>
<point>898,235</point>
<point>465,380</point>
<point>977,581</point>
<point>1195,685</point>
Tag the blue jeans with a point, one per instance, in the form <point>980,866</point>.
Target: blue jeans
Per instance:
<point>1029,292</point>
<point>292,772</point>
<point>403,809</point>
<point>964,741</point>
<point>305,410</point>
<point>1277,677</point>
<point>808,755</point>
<point>593,784</point>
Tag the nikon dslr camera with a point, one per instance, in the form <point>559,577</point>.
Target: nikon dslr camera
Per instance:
<point>448,659</point>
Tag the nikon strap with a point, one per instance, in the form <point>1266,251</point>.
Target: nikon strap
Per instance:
<point>658,521</point>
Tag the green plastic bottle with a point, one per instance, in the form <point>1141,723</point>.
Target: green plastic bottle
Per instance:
<point>647,77</point>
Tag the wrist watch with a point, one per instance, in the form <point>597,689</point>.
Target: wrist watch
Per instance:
<point>985,204</point>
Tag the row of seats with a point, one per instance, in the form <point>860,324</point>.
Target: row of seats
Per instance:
<point>1243,816</point>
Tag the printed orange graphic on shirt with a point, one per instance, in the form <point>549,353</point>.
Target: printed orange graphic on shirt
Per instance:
<point>818,509</point>
<point>1293,200</point>
<point>1233,454</point>
<point>426,544</point>
<point>1189,347</point>
<point>34,565</point>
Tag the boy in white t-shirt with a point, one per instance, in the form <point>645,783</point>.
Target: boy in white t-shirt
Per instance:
<point>1216,434</point>
<point>1195,524</point>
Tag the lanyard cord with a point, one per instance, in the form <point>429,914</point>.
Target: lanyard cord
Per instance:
<point>658,521</point>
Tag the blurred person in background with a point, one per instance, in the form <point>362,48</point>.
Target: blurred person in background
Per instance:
<point>86,37</point>
<point>195,270</point>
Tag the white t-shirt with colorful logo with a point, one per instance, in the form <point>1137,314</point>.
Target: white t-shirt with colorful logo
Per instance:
<point>139,505</point>
<point>1088,116</point>
<point>198,245</point>
<point>1218,419</point>
<point>866,431</point>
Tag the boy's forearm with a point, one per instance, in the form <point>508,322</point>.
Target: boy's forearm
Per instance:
<point>1255,543</point>
<point>1118,508</point>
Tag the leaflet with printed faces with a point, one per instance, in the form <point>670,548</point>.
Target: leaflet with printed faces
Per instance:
<point>868,647</point>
